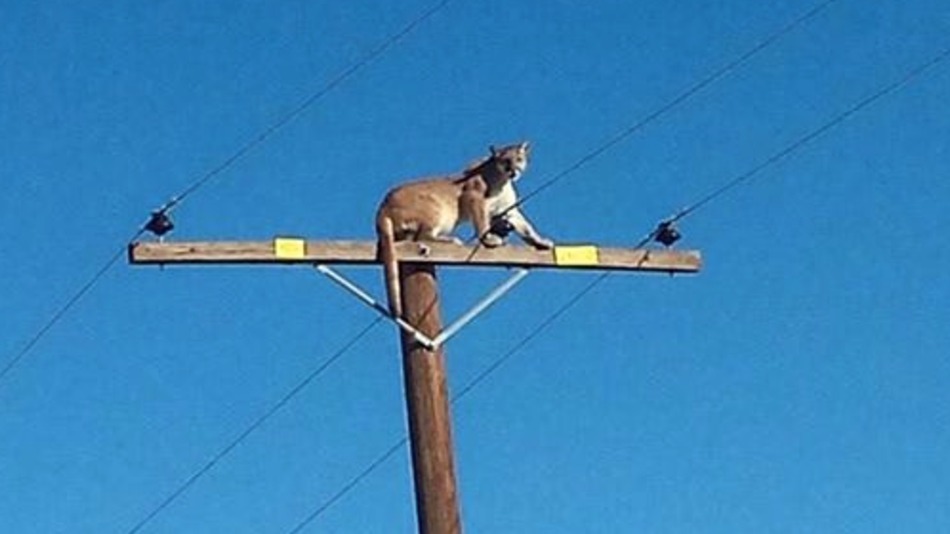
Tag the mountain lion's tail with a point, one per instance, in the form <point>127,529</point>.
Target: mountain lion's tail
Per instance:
<point>386,253</point>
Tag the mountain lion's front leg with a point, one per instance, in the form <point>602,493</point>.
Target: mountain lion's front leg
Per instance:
<point>523,228</point>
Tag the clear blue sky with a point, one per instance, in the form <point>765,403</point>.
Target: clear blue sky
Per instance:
<point>798,384</point>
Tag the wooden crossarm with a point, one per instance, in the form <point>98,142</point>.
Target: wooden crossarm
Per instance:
<point>278,252</point>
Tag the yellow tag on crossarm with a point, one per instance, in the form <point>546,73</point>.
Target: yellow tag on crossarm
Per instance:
<point>289,248</point>
<point>576,255</point>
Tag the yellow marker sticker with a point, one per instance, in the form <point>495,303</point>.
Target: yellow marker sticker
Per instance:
<point>289,248</point>
<point>576,255</point>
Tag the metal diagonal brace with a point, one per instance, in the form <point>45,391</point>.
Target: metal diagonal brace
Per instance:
<point>446,333</point>
<point>367,299</point>
<point>479,307</point>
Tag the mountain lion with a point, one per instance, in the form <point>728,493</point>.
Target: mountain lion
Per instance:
<point>431,209</point>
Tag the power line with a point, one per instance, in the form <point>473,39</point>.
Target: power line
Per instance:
<point>604,147</point>
<point>159,215</point>
<point>55,318</point>
<point>467,388</point>
<point>673,103</point>
<point>380,460</point>
<point>347,73</point>
<point>517,347</point>
<point>190,481</point>
<point>679,99</point>
<point>535,332</point>
<point>817,132</point>
<point>62,310</point>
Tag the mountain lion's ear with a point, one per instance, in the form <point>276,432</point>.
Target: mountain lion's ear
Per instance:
<point>526,147</point>
<point>494,152</point>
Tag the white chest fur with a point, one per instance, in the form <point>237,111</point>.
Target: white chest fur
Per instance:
<point>506,198</point>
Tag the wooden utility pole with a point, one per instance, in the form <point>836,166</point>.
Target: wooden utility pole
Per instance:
<point>427,404</point>
<point>424,374</point>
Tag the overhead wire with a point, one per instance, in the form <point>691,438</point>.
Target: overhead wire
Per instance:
<point>368,58</point>
<point>812,135</point>
<point>587,158</point>
<point>668,106</point>
<point>256,424</point>
<point>680,98</point>
<point>62,310</point>
<point>332,84</point>
<point>775,158</point>
<point>560,311</point>
<point>353,482</point>
<point>465,390</point>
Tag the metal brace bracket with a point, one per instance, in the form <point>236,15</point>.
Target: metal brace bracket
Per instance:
<point>449,331</point>
<point>367,299</point>
<point>489,299</point>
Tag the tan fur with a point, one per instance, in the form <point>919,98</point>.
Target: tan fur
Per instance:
<point>386,250</point>
<point>431,209</point>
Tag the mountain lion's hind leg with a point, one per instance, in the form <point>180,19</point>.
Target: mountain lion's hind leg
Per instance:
<point>426,233</point>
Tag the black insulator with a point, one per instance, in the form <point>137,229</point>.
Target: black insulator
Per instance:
<point>160,223</point>
<point>667,234</point>
<point>501,227</point>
